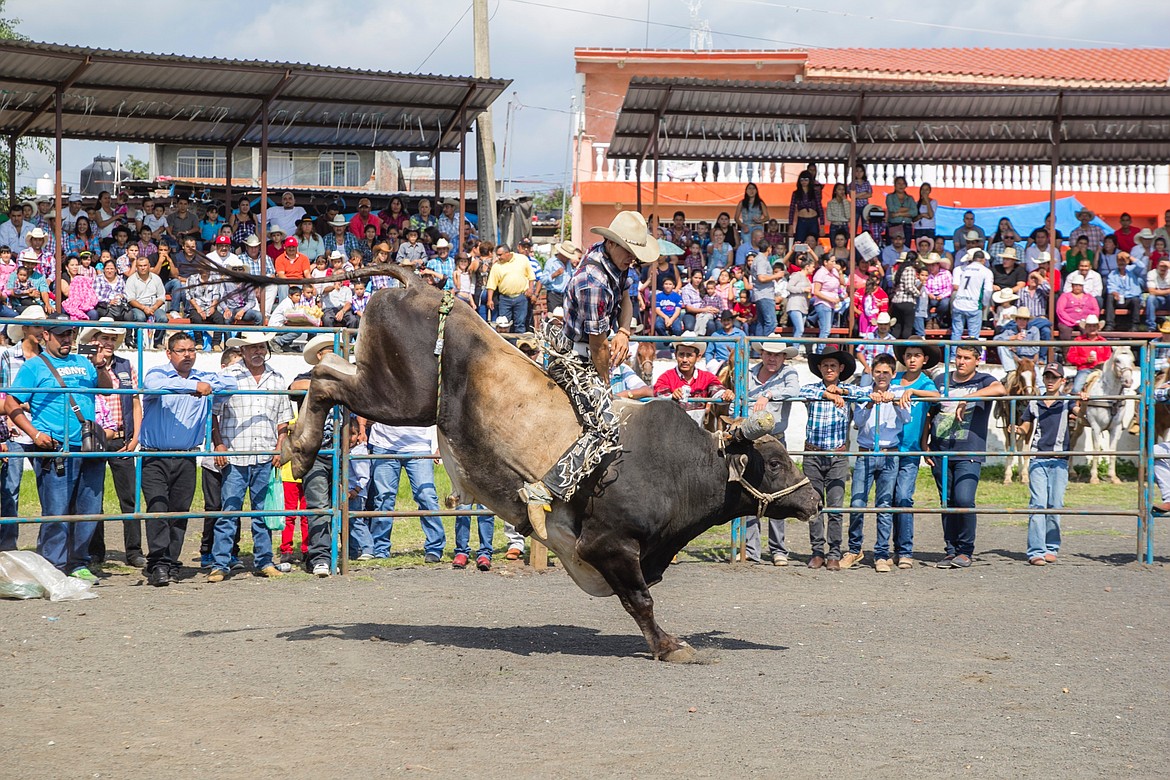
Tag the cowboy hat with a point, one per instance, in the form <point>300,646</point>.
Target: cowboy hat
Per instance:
<point>873,211</point>
<point>685,341</point>
<point>1163,328</point>
<point>336,255</point>
<point>779,348</point>
<point>1041,258</point>
<point>250,338</point>
<point>1078,213</point>
<point>848,363</point>
<point>448,202</point>
<point>1021,313</point>
<point>628,230</point>
<point>502,322</point>
<point>338,221</point>
<point>933,354</point>
<point>316,344</point>
<point>382,247</point>
<point>252,240</point>
<point>1009,252</point>
<point>669,248</point>
<point>1090,320</point>
<point>1076,278</point>
<point>1004,295</point>
<point>30,255</point>
<point>528,340</point>
<point>38,233</point>
<point>567,250</point>
<point>932,259</point>
<point>558,313</point>
<point>442,243</point>
<point>33,312</point>
<point>1145,233</point>
<point>88,334</point>
<point>274,229</point>
<point>884,318</point>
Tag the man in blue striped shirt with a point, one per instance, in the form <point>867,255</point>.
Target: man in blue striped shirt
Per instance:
<point>173,422</point>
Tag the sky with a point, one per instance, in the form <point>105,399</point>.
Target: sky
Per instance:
<point>532,43</point>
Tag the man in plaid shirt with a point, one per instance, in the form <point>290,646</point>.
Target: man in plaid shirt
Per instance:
<point>1093,232</point>
<point>828,433</point>
<point>248,423</point>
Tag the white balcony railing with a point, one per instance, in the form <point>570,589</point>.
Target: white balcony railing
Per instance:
<point>1085,178</point>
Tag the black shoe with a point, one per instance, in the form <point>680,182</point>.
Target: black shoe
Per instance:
<point>431,558</point>
<point>159,577</point>
<point>136,561</point>
<point>173,574</point>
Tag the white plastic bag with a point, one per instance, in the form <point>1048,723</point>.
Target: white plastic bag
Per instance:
<point>26,575</point>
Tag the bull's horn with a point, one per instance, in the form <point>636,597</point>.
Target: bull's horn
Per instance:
<point>757,426</point>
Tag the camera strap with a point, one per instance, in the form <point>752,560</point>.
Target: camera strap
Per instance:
<point>60,381</point>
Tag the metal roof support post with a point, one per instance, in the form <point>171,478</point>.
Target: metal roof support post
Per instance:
<point>1050,223</point>
<point>12,139</point>
<point>654,213</point>
<point>227,182</point>
<point>57,97</point>
<point>261,293</point>
<point>638,184</point>
<point>459,247</point>
<point>438,182</point>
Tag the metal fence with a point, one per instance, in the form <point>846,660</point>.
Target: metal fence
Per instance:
<point>740,349</point>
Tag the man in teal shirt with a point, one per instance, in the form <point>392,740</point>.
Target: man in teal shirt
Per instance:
<point>915,385</point>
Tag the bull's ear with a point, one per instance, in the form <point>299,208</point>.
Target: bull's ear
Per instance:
<point>736,464</point>
<point>729,421</point>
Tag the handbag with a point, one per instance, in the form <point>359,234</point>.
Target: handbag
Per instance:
<point>93,436</point>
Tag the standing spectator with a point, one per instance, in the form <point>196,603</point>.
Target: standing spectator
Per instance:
<point>827,297</point>
<point>879,429</point>
<point>243,222</point>
<point>771,386</point>
<point>961,426</point>
<point>686,381</point>
<point>763,279</point>
<point>960,235</point>
<point>26,345</point>
<point>861,191</point>
<point>248,423</point>
<point>972,283</point>
<point>440,269</point>
<point>836,212</point>
<point>448,222</point>
<point>424,218</point>
<point>826,436</point>
<point>904,300</point>
<point>799,290</point>
<point>414,447</point>
<point>209,226</point>
<point>182,224</point>
<point>870,302</point>
<point>363,219</point>
<point>287,215</point>
<point>509,284</point>
<point>880,340</point>
<point>146,297</point>
<point>309,243</point>
<point>121,418</point>
<point>924,223</point>
<point>173,423</point>
<point>14,232</point>
<point>752,213</point>
<point>1090,352</point>
<point>66,486</point>
<point>211,479</point>
<point>557,271</point>
<point>913,384</point>
<point>1048,473</point>
<point>1123,289</point>
<point>339,238</point>
<point>361,541</point>
<point>805,212</point>
<point>901,209</point>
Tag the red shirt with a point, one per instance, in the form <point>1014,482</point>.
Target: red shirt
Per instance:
<point>358,227</point>
<point>703,384</point>
<point>1079,355</point>
<point>296,267</point>
<point>1126,238</point>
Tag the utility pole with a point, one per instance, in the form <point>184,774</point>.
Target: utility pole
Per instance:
<point>485,151</point>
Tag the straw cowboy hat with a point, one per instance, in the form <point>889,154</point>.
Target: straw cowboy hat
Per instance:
<point>1145,233</point>
<point>567,250</point>
<point>685,340</point>
<point>780,348</point>
<point>1009,252</point>
<point>884,318</point>
<point>1004,296</point>
<point>1041,258</point>
<point>1077,214</point>
<point>873,210</point>
<point>15,331</point>
<point>932,259</point>
<point>88,334</point>
<point>933,354</point>
<point>1163,328</point>
<point>1022,313</point>
<point>558,313</point>
<point>250,338</point>
<point>315,345</point>
<point>848,363</point>
<point>252,240</point>
<point>502,322</point>
<point>528,339</point>
<point>38,233</point>
<point>669,248</point>
<point>628,230</point>
<point>338,221</point>
<point>1090,320</point>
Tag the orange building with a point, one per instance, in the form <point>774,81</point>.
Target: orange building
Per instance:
<point>704,189</point>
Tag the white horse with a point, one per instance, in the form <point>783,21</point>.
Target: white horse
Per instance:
<point>1106,419</point>
<point>1016,435</point>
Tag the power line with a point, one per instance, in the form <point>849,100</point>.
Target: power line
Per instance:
<point>444,38</point>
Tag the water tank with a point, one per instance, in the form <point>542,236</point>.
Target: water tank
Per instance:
<point>99,175</point>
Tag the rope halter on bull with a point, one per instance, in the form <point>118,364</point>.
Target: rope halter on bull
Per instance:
<point>445,307</point>
<point>755,427</point>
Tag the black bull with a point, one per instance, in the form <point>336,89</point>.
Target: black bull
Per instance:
<point>502,422</point>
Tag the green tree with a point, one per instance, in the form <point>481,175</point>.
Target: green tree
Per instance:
<point>8,32</point>
<point>138,169</point>
<point>554,201</point>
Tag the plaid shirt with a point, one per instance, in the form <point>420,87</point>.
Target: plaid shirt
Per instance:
<point>828,425</point>
<point>109,407</point>
<point>940,285</point>
<point>348,244</point>
<point>1094,233</point>
<point>359,304</point>
<point>444,267</point>
<point>250,422</point>
<point>260,265</point>
<point>594,296</point>
<point>908,289</point>
<point>110,292</point>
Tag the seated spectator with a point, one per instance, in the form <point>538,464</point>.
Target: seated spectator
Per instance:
<point>719,252</point>
<point>412,252</point>
<point>868,303</point>
<point>440,269</point>
<point>686,381</point>
<point>691,297</point>
<point>202,298</point>
<point>209,226</point>
<point>713,304</point>
<point>718,352</point>
<point>1124,288</point>
<point>360,300</point>
<point>938,287</point>
<point>279,318</point>
<point>291,264</point>
<point>1158,286</point>
<point>146,298</point>
<point>1074,306</point>
<point>668,310</point>
<point>1034,298</point>
<point>1039,246</point>
<point>1009,274</point>
<point>1078,252</point>
<point>309,243</point>
<point>337,306</point>
<point>1003,308</point>
<point>972,240</point>
<point>24,290</point>
<point>1094,285</point>
<point>745,311</point>
<point>1019,329</point>
<point>961,237</point>
<point>1089,353</point>
<point>238,304</point>
<point>80,298</point>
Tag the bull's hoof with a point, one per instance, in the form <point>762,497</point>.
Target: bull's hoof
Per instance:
<point>683,654</point>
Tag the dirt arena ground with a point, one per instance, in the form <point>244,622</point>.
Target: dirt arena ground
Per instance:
<point>1002,670</point>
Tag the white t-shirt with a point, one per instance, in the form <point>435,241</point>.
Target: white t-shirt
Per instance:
<point>1156,282</point>
<point>108,230</point>
<point>973,284</point>
<point>155,223</point>
<point>335,299</point>
<point>922,223</point>
<point>402,438</point>
<point>286,219</point>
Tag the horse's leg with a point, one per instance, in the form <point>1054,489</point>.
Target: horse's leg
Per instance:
<point>1010,458</point>
<point>1115,436</point>
<point>1099,441</point>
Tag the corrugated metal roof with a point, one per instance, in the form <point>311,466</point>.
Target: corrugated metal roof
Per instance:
<point>816,122</point>
<point>154,98</point>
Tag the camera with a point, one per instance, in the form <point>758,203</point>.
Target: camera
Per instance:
<point>87,350</point>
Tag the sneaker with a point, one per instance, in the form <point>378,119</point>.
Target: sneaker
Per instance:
<point>431,558</point>
<point>882,565</point>
<point>905,562</point>
<point>514,554</point>
<point>946,562</point>
<point>961,561</point>
<point>206,561</point>
<point>216,575</point>
<point>271,572</point>
<point>366,557</point>
<point>779,559</point>
<point>483,563</point>
<point>320,570</point>
<point>235,564</point>
<point>460,561</point>
<point>84,574</point>
<point>851,559</point>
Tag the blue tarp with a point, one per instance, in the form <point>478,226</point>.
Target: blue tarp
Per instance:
<point>1025,217</point>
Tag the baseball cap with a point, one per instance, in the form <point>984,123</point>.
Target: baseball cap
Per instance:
<point>221,240</point>
<point>64,326</point>
<point>290,241</point>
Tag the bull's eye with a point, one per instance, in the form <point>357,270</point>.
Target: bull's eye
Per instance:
<point>775,464</point>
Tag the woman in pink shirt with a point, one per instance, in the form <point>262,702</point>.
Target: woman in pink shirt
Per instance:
<point>1074,306</point>
<point>826,296</point>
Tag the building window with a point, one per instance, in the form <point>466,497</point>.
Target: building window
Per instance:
<point>201,164</point>
<point>339,169</point>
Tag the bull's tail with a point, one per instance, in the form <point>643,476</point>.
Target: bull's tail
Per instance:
<point>405,277</point>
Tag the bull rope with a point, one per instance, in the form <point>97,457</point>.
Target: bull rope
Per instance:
<point>765,499</point>
<point>445,307</point>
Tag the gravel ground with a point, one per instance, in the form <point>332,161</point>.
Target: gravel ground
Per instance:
<point>1002,670</point>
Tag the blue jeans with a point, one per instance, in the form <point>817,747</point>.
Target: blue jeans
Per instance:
<point>174,288</point>
<point>238,480</point>
<point>1044,326</point>
<point>796,320</point>
<point>919,327</point>
<point>822,313</point>
<point>361,541</point>
<point>962,481</point>
<point>674,329</point>
<point>486,527</point>
<point>970,321</point>
<point>384,478</point>
<point>904,485</point>
<point>942,309</point>
<point>1153,303</point>
<point>1047,480</point>
<point>765,316</point>
<point>78,491</point>
<point>12,471</point>
<point>870,471</point>
<point>515,308</point>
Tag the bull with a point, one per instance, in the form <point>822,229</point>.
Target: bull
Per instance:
<point>502,422</point>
